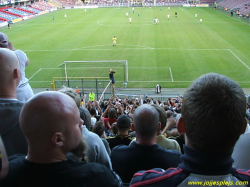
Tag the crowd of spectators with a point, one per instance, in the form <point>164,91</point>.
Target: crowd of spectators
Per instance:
<point>59,138</point>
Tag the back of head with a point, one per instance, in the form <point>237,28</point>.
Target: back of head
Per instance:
<point>3,40</point>
<point>98,128</point>
<point>9,70</point>
<point>92,111</point>
<point>123,122</point>
<point>213,110</point>
<point>162,115</point>
<point>112,113</point>
<point>146,121</point>
<point>72,93</point>
<point>46,114</point>
<point>85,116</point>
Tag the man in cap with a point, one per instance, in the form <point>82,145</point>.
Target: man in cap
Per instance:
<point>24,91</point>
<point>122,137</point>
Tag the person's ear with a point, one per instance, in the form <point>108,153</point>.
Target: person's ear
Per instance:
<point>16,73</point>
<point>133,127</point>
<point>58,139</point>
<point>159,126</point>
<point>245,126</point>
<point>181,126</point>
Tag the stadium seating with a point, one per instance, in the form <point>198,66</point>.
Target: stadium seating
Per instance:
<point>242,6</point>
<point>18,12</point>
<point>30,9</point>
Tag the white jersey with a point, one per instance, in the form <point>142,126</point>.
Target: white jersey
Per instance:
<point>130,19</point>
<point>22,58</point>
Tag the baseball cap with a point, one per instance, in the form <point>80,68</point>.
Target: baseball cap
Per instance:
<point>123,121</point>
<point>3,39</point>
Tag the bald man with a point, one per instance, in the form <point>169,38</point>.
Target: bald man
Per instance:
<point>144,152</point>
<point>12,135</point>
<point>24,91</point>
<point>52,125</point>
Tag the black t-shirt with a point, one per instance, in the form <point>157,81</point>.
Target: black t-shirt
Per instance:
<point>67,173</point>
<point>119,140</point>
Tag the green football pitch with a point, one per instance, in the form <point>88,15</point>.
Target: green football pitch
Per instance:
<point>172,53</point>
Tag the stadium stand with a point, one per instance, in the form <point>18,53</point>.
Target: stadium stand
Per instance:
<point>30,9</point>
<point>42,6</point>
<point>240,7</point>
<point>18,12</point>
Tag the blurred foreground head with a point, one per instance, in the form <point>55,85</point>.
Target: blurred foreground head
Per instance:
<point>213,113</point>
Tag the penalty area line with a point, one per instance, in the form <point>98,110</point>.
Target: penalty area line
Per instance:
<point>35,73</point>
<point>239,59</point>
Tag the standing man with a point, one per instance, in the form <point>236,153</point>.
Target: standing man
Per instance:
<point>65,16</point>
<point>130,20</point>
<point>111,76</point>
<point>114,41</point>
<point>91,96</point>
<point>10,107</point>
<point>24,91</point>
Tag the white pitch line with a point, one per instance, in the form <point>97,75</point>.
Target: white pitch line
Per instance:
<point>239,59</point>
<point>171,74</point>
<point>35,73</point>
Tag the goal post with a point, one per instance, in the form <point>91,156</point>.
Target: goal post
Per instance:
<point>95,69</point>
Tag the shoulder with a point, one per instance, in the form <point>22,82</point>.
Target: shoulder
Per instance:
<point>243,174</point>
<point>172,176</point>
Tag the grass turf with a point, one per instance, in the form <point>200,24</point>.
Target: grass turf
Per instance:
<point>172,53</point>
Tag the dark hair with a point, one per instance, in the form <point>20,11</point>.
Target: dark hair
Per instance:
<point>85,116</point>
<point>112,113</point>
<point>98,128</point>
<point>214,109</point>
<point>92,111</point>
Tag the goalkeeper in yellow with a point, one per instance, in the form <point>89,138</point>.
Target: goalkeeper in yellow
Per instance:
<point>114,41</point>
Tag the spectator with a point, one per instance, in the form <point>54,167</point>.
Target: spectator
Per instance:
<point>242,150</point>
<point>213,117</point>
<point>111,116</point>
<point>52,126</point>
<point>161,140</point>
<point>24,91</point>
<point>122,138</point>
<point>93,118</point>
<point>91,96</point>
<point>99,129</point>
<point>12,135</point>
<point>96,150</point>
<point>144,153</point>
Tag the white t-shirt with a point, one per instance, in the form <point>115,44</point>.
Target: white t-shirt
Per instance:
<point>22,58</point>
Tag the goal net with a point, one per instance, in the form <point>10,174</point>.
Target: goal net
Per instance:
<point>95,69</point>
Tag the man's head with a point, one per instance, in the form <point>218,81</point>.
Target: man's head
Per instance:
<point>146,121</point>
<point>213,113</point>
<point>72,93</point>
<point>85,116</point>
<point>99,128</point>
<point>3,40</point>
<point>162,115</point>
<point>112,113</point>
<point>123,123</point>
<point>51,123</point>
<point>9,72</point>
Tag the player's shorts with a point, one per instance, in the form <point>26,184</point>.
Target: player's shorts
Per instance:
<point>113,80</point>
<point>114,42</point>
